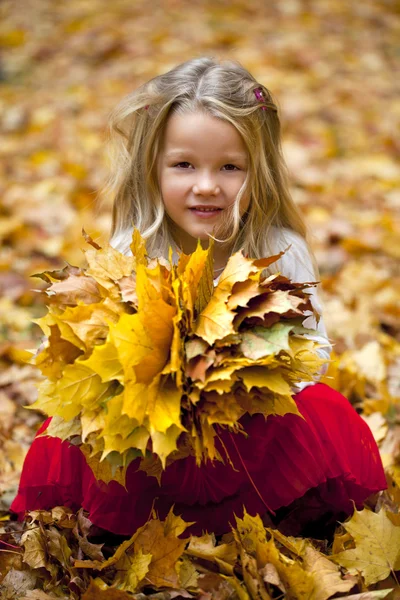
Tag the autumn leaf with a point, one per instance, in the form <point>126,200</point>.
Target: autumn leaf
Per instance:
<point>161,541</point>
<point>97,593</point>
<point>327,577</point>
<point>377,546</point>
<point>107,265</point>
<point>223,555</point>
<point>216,321</point>
<point>35,554</point>
<point>131,570</point>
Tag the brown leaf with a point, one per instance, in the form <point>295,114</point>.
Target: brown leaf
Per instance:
<point>165,549</point>
<point>34,544</point>
<point>81,530</point>
<point>16,583</point>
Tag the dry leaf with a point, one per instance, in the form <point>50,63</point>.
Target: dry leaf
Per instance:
<point>377,546</point>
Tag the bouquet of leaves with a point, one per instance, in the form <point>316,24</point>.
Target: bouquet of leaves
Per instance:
<point>145,358</point>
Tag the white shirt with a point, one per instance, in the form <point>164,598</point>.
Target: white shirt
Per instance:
<point>296,265</point>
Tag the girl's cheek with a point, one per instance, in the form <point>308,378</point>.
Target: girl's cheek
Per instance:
<point>177,184</point>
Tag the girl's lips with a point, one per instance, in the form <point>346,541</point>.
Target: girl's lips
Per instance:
<point>203,214</point>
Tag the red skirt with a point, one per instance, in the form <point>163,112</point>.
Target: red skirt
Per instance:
<point>331,451</point>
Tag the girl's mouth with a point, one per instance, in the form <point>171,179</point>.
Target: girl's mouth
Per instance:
<point>205,214</point>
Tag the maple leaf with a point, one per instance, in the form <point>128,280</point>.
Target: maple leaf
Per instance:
<point>377,546</point>
<point>35,554</point>
<point>131,570</point>
<point>161,541</point>
<point>216,320</point>
<point>75,288</point>
<point>223,555</point>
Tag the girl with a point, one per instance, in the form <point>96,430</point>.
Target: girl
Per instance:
<point>197,154</point>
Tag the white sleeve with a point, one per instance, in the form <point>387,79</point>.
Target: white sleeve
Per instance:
<point>296,264</point>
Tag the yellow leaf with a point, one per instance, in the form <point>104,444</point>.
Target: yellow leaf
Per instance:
<point>102,469</point>
<point>78,387</point>
<point>165,443</point>
<point>188,576</point>
<point>175,525</point>
<point>224,408</point>
<point>220,386</point>
<point>165,549</point>
<point>164,404</point>
<point>223,555</point>
<point>98,590</point>
<point>327,577</point>
<point>144,340</point>
<point>136,397</point>
<point>216,320</point>
<point>131,570</point>
<point>104,361</point>
<point>67,333</point>
<point>62,429</point>
<point>150,285</point>
<point>91,421</point>
<point>138,247</point>
<point>89,323</point>
<point>200,285</point>
<point>259,376</point>
<point>377,551</point>
<point>116,443</point>
<point>108,265</point>
<point>59,352</point>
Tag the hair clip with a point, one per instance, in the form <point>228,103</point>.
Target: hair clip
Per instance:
<point>147,106</point>
<point>259,95</point>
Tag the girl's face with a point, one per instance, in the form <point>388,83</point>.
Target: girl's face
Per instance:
<point>203,161</point>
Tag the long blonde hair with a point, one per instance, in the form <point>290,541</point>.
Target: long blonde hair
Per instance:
<point>224,90</point>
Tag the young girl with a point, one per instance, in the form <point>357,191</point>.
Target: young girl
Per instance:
<point>198,154</point>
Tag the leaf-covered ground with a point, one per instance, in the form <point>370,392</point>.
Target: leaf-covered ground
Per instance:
<point>334,69</point>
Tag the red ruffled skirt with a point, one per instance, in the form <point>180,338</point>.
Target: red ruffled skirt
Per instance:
<point>331,451</point>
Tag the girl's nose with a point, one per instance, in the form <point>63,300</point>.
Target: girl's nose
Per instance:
<point>206,185</point>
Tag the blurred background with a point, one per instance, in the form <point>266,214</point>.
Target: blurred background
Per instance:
<point>332,65</point>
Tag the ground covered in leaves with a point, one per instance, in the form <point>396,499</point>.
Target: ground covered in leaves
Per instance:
<point>333,68</point>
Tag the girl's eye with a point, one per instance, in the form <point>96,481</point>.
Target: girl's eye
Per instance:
<point>186,163</point>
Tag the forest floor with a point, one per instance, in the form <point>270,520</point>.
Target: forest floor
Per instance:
<point>333,68</point>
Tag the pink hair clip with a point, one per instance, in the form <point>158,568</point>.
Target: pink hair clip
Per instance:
<point>147,106</point>
<point>259,95</point>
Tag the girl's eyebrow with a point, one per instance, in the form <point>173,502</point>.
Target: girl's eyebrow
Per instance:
<point>227,156</point>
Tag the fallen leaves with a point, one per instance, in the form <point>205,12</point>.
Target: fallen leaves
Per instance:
<point>252,562</point>
<point>62,72</point>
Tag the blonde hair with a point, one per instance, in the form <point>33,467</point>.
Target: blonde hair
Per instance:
<point>224,90</point>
